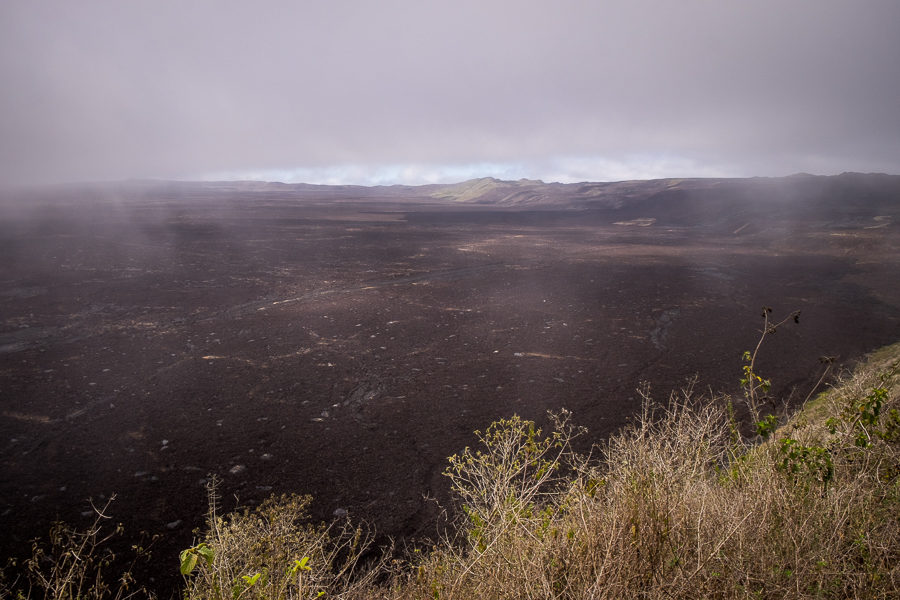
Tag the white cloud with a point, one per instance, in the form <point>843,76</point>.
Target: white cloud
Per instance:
<point>570,169</point>
<point>358,174</point>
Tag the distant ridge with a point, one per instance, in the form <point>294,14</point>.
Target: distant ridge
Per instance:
<point>766,190</point>
<point>673,199</point>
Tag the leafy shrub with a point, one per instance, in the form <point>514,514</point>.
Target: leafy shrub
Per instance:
<point>272,552</point>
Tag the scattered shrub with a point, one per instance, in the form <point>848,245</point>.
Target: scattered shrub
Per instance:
<point>272,552</point>
<point>74,564</point>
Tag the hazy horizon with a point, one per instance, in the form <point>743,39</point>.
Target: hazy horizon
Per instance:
<point>411,93</point>
<point>448,182</point>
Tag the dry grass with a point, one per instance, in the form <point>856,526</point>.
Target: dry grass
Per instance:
<point>274,552</point>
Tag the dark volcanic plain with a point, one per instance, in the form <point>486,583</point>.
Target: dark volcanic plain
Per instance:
<point>343,341</point>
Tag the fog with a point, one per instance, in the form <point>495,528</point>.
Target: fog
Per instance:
<point>416,92</point>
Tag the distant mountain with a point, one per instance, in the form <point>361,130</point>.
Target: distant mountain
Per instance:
<point>775,205</point>
<point>848,197</point>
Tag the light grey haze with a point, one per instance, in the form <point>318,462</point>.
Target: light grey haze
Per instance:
<point>423,91</point>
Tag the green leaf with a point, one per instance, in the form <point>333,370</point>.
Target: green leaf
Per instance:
<point>206,552</point>
<point>299,565</point>
<point>251,580</point>
<point>188,561</point>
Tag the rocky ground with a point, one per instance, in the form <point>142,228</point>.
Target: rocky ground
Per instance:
<point>343,344</point>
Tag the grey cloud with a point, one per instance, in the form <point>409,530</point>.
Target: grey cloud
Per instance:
<point>169,89</point>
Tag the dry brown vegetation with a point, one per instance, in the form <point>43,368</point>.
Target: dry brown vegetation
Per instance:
<point>274,552</point>
<point>677,505</point>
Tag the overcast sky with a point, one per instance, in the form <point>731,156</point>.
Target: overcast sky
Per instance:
<point>435,91</point>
